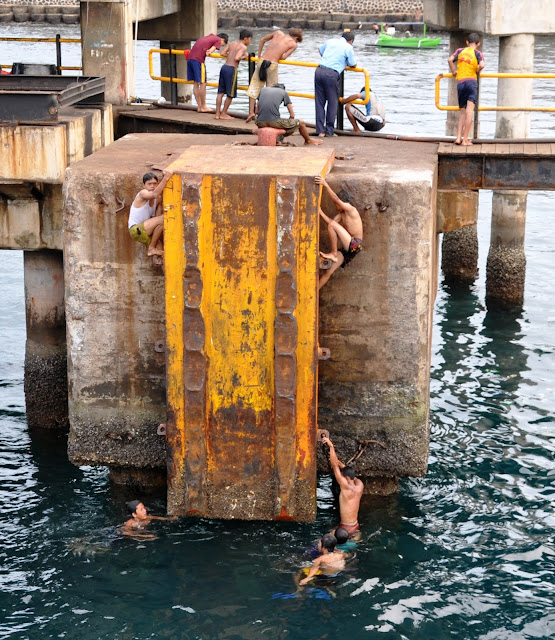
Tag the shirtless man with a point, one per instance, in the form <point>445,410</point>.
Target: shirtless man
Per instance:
<point>280,47</point>
<point>351,491</point>
<point>139,519</point>
<point>236,51</point>
<point>329,563</point>
<point>344,231</point>
<point>146,219</point>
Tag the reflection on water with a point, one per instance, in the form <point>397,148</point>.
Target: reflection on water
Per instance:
<point>466,552</point>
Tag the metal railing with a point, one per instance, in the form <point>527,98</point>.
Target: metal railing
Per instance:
<point>58,40</point>
<point>494,75</point>
<point>252,59</point>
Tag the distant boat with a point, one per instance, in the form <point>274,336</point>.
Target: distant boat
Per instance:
<point>402,42</point>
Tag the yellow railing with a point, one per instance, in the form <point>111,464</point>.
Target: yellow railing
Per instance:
<point>61,40</point>
<point>495,75</point>
<point>296,63</point>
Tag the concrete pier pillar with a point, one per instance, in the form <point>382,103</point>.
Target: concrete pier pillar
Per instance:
<point>184,91</point>
<point>45,379</point>
<point>107,47</point>
<point>459,249</point>
<point>506,265</point>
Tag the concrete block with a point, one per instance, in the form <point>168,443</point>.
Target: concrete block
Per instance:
<point>456,209</point>
<point>53,17</point>
<point>36,154</point>
<point>19,224</point>
<point>281,23</point>
<point>241,274</point>
<point>332,25</point>
<point>315,24</point>
<point>265,23</point>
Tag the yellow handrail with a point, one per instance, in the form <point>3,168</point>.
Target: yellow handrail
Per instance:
<point>494,75</point>
<point>62,40</point>
<point>39,40</point>
<point>296,63</point>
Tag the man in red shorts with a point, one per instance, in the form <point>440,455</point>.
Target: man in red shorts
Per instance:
<point>351,490</point>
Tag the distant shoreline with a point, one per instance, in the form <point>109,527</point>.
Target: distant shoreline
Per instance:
<point>332,15</point>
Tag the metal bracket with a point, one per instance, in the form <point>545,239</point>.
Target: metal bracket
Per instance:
<point>323,433</point>
<point>325,264</point>
<point>160,346</point>
<point>323,353</point>
<point>161,431</point>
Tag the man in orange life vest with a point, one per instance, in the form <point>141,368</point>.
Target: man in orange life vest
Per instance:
<point>469,62</point>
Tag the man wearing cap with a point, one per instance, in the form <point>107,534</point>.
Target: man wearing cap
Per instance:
<point>337,53</point>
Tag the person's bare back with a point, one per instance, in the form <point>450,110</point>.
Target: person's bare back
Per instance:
<point>280,45</point>
<point>351,220</point>
<point>351,490</point>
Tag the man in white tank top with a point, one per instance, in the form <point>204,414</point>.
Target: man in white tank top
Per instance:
<point>146,218</point>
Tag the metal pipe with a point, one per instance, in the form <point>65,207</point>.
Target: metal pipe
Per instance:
<point>58,55</point>
<point>173,74</point>
<point>340,101</point>
<point>477,108</point>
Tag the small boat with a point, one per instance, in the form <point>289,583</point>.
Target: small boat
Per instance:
<point>400,42</point>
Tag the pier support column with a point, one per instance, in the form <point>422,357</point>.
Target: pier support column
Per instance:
<point>459,249</point>
<point>45,379</point>
<point>506,265</point>
<point>184,91</point>
<point>107,47</point>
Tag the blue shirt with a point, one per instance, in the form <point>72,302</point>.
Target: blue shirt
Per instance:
<point>337,54</point>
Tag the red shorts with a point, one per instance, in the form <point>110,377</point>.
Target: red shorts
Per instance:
<point>351,528</point>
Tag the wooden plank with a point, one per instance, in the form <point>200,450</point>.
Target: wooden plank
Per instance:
<point>502,149</point>
<point>544,149</point>
<point>445,148</point>
<point>475,149</point>
<point>530,149</point>
<point>516,149</point>
<point>553,148</point>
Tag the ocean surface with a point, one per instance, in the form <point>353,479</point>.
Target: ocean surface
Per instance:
<point>468,552</point>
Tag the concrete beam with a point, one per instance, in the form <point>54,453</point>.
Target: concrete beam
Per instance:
<point>491,17</point>
<point>442,13</point>
<point>456,209</point>
<point>194,19</point>
<point>479,171</point>
<point>38,153</point>
<point>507,17</point>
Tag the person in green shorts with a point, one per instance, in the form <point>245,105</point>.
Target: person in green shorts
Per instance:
<point>146,219</point>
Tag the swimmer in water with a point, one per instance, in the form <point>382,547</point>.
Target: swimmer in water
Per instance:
<point>329,563</point>
<point>139,520</point>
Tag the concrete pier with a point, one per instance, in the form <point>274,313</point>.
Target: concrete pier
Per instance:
<point>506,265</point>
<point>375,316</point>
<point>45,379</point>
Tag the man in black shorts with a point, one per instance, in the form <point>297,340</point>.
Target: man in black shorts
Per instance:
<point>227,84</point>
<point>373,120</point>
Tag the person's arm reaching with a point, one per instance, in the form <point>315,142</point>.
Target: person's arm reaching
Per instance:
<point>336,464</point>
<point>149,195</point>
<point>336,199</point>
<point>452,64</point>
<point>313,571</point>
<point>290,109</point>
<point>355,96</point>
<point>262,42</point>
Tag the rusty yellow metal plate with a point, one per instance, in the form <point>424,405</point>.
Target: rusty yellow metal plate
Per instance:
<point>241,275</point>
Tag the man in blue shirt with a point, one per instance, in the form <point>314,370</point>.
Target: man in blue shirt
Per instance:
<point>337,53</point>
